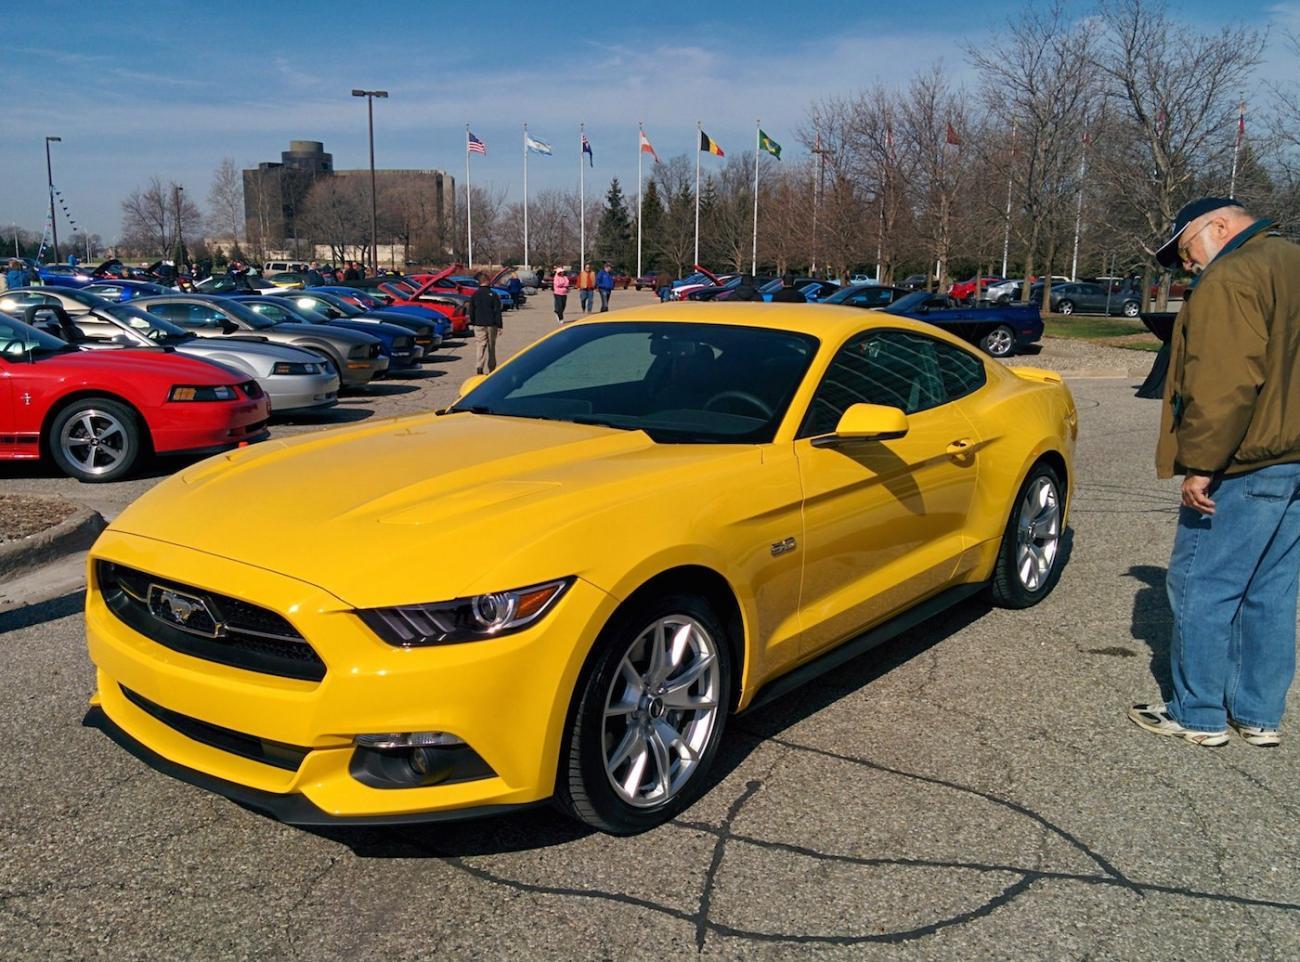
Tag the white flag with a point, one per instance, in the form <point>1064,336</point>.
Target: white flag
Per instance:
<point>537,146</point>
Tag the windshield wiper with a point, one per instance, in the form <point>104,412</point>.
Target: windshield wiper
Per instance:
<point>599,422</point>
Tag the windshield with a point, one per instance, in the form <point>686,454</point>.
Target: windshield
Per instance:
<point>328,305</point>
<point>150,325</point>
<point>18,339</point>
<point>682,383</point>
<point>908,303</point>
<point>842,295</point>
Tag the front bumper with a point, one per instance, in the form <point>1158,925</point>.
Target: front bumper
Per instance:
<point>179,427</point>
<point>298,392</point>
<point>358,372</point>
<point>507,698</point>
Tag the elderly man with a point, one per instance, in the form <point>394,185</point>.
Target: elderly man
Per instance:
<point>485,317</point>
<point>1231,426</point>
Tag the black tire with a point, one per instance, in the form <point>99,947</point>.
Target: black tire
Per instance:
<point>96,440</point>
<point>1004,299</point>
<point>999,342</point>
<point>584,788</point>
<point>1065,307</point>
<point>1008,587</point>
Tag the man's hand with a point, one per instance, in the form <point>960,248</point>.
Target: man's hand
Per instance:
<point>1195,497</point>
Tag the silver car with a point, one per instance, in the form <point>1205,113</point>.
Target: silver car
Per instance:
<point>293,379</point>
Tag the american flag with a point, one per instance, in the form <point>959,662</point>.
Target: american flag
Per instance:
<point>476,146</point>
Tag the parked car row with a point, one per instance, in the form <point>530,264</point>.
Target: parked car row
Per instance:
<point>94,383</point>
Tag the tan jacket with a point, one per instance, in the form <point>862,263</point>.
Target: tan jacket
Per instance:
<point>1232,398</point>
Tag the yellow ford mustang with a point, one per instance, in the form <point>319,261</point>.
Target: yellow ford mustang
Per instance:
<point>560,587</point>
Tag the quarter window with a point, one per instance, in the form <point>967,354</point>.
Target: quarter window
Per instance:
<point>897,369</point>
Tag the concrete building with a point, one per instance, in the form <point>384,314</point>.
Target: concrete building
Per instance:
<point>274,193</point>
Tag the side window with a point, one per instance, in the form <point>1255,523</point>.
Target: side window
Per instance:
<point>200,315</point>
<point>176,313</point>
<point>16,302</point>
<point>962,372</point>
<point>893,368</point>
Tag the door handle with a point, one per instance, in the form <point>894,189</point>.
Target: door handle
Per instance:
<point>961,448</point>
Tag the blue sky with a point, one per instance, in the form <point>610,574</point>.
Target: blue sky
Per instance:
<point>138,89</point>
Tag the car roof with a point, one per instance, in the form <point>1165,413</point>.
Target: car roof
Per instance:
<point>828,321</point>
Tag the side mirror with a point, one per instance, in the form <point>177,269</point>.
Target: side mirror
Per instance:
<point>471,382</point>
<point>865,422</point>
<point>228,327</point>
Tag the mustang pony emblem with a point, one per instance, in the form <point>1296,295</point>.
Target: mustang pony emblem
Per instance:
<point>187,612</point>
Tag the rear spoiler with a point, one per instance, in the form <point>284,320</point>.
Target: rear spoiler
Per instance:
<point>1039,374</point>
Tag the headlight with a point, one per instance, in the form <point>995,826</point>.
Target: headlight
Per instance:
<point>465,619</point>
<point>291,367</point>
<point>359,352</point>
<point>202,393</point>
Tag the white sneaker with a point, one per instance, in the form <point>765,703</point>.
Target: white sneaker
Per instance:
<point>1156,719</point>
<point>1259,737</point>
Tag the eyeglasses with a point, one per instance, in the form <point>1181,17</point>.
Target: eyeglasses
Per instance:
<point>1184,254</point>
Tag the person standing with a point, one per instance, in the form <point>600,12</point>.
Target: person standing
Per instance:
<point>314,277</point>
<point>485,317</point>
<point>17,276</point>
<point>1230,424</point>
<point>745,290</point>
<point>605,285</point>
<point>560,288</point>
<point>351,273</point>
<point>586,288</point>
<point>663,285</point>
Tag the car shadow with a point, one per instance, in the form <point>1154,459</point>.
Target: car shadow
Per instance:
<point>412,374</point>
<point>373,390</point>
<point>325,416</point>
<point>28,616</point>
<point>441,358</point>
<point>1153,623</point>
<point>544,826</point>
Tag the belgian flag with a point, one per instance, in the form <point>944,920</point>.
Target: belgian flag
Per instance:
<point>710,146</point>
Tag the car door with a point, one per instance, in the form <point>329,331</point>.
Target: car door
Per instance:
<point>884,520</point>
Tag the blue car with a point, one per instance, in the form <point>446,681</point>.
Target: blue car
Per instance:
<point>374,301</point>
<point>812,289</point>
<point>119,290</point>
<point>1001,330</point>
<point>507,302</point>
<point>64,275</point>
<point>332,307</point>
<point>396,343</point>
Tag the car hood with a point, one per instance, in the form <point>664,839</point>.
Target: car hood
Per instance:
<point>219,346</point>
<point>422,508</point>
<point>134,364</point>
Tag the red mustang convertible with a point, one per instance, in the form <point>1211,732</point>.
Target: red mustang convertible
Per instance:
<point>95,412</point>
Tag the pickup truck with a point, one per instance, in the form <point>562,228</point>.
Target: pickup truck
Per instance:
<point>1000,330</point>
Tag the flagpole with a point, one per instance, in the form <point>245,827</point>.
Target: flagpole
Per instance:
<point>1006,232</point>
<point>884,189</point>
<point>1236,149</point>
<point>1078,213</point>
<point>699,129</point>
<point>582,203</point>
<point>527,262</point>
<point>469,216</point>
<point>640,187</point>
<point>753,261</point>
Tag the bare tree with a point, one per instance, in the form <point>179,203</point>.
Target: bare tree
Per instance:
<point>226,202</point>
<point>336,212</point>
<point>155,218</point>
<point>1177,92</point>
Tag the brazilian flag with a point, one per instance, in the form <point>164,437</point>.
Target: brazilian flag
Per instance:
<point>767,143</point>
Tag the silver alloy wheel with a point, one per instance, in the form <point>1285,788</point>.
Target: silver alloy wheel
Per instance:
<point>94,441</point>
<point>1131,309</point>
<point>661,710</point>
<point>998,341</point>
<point>1038,533</point>
<point>1067,308</point>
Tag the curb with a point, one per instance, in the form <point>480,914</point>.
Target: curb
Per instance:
<point>76,533</point>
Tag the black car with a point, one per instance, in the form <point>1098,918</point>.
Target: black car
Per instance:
<point>915,282</point>
<point>866,295</point>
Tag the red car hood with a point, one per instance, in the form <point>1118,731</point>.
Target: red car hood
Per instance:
<point>176,368</point>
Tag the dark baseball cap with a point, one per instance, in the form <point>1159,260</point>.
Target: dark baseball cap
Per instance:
<point>1168,253</point>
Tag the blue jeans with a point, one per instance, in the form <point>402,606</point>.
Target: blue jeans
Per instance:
<point>584,300</point>
<point>1232,587</point>
<point>604,297</point>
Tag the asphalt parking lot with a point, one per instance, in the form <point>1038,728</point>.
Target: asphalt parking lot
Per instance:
<point>969,790</point>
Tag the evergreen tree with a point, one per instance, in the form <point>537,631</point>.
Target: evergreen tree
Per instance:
<point>652,217</point>
<point>616,235</point>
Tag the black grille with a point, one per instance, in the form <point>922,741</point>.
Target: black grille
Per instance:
<point>222,629</point>
<point>252,389</point>
<point>288,757</point>
<point>374,350</point>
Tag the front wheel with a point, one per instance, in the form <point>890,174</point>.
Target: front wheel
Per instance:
<point>1029,561</point>
<point>95,439</point>
<point>999,342</point>
<point>1066,307</point>
<point>1131,309</point>
<point>651,708</point>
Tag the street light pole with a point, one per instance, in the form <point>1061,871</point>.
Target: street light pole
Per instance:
<point>370,96</point>
<point>49,179</point>
<point>180,230</point>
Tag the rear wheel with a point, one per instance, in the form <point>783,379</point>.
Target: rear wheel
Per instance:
<point>1066,307</point>
<point>651,707</point>
<point>1131,309</point>
<point>999,342</point>
<point>95,439</point>
<point>1029,561</point>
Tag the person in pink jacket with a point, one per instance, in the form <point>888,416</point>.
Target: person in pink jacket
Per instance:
<point>560,286</point>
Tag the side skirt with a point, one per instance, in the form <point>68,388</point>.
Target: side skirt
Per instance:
<point>863,643</point>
